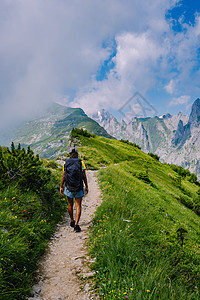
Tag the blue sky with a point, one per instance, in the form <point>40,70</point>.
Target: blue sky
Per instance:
<point>171,83</point>
<point>163,96</point>
<point>97,54</point>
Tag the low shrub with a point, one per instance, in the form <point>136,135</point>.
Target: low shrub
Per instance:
<point>30,208</point>
<point>155,156</point>
<point>52,164</point>
<point>143,176</point>
<point>130,143</point>
<point>76,132</point>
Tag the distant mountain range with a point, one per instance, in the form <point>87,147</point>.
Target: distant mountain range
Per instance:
<point>48,134</point>
<point>175,138</point>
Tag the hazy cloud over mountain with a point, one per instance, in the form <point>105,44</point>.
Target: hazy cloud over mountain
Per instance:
<point>54,50</point>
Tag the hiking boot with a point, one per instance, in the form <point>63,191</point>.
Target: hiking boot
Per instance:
<point>72,223</point>
<point>77,228</point>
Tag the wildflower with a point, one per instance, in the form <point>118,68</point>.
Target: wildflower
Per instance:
<point>148,291</point>
<point>108,278</point>
<point>131,289</point>
<point>126,297</point>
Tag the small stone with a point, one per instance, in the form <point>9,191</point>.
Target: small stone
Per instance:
<point>88,275</point>
<point>36,289</point>
<point>87,287</point>
<point>77,257</point>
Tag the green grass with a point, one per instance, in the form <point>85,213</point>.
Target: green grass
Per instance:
<point>26,224</point>
<point>137,236</point>
<point>99,152</point>
<point>30,208</point>
<point>146,234</point>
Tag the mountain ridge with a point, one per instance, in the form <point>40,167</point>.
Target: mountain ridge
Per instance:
<point>175,138</point>
<point>48,133</point>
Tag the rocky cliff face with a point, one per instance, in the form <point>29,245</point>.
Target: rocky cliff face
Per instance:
<point>182,134</point>
<point>194,118</point>
<point>176,139</point>
<point>187,142</point>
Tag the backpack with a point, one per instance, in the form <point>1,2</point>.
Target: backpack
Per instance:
<point>73,175</point>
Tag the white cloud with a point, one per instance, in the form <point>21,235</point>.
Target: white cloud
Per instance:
<point>182,100</point>
<point>144,60</point>
<point>184,54</point>
<point>51,49</point>
<point>136,56</point>
<point>107,94</point>
<point>170,87</point>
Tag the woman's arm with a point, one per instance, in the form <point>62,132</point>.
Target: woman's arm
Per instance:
<point>62,182</point>
<point>85,181</point>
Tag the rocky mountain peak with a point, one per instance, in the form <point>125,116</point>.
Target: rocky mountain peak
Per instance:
<point>102,115</point>
<point>182,134</point>
<point>194,118</point>
<point>167,116</point>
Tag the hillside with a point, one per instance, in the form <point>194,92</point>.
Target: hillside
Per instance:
<point>48,133</point>
<point>146,234</point>
<point>30,208</point>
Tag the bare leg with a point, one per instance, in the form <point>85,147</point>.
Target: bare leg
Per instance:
<point>70,208</point>
<point>78,201</point>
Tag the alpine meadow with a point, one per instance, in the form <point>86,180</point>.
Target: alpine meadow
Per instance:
<point>146,234</point>
<point>144,237</point>
<point>99,150</point>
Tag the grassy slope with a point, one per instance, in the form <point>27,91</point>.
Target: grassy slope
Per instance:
<point>26,224</point>
<point>99,152</point>
<point>139,229</point>
<point>53,128</point>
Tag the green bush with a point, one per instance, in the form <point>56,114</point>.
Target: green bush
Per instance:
<point>22,168</point>
<point>52,164</point>
<point>155,156</point>
<point>143,176</point>
<point>30,208</point>
<point>192,178</point>
<point>76,132</point>
<point>130,143</point>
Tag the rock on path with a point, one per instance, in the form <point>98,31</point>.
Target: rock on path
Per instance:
<point>66,260</point>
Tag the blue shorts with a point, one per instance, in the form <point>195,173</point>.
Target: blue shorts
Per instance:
<point>69,194</point>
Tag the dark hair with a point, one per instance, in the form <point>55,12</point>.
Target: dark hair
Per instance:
<point>73,153</point>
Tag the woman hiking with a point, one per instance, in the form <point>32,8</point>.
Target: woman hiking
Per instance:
<point>73,176</point>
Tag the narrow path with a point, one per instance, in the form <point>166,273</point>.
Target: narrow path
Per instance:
<point>66,260</point>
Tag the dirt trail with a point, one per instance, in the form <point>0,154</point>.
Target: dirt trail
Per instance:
<point>66,259</point>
